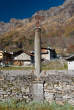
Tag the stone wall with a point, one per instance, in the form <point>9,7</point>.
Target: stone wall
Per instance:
<point>59,85</point>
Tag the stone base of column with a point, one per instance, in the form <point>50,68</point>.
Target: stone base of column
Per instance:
<point>37,91</point>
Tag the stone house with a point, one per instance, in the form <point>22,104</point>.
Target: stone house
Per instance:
<point>1,57</point>
<point>70,62</point>
<point>7,58</point>
<point>46,54</point>
<point>22,59</point>
<point>19,58</point>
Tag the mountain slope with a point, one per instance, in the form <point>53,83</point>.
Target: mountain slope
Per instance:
<point>57,30</point>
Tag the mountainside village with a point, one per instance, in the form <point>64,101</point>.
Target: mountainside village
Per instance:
<point>50,74</point>
<point>57,31</point>
<point>23,58</point>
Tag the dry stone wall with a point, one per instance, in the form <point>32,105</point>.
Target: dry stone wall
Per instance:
<point>59,85</point>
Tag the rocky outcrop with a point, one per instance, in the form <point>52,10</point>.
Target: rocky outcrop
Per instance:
<point>12,25</point>
<point>67,9</point>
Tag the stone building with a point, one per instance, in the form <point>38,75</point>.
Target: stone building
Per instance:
<point>22,59</point>
<point>46,54</point>
<point>1,57</point>
<point>70,62</point>
<point>19,58</point>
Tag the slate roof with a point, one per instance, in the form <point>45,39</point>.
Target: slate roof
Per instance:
<point>70,58</point>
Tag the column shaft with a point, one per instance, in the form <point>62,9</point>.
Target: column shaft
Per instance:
<point>37,51</point>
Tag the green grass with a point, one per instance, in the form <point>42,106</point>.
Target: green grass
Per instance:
<point>13,105</point>
<point>55,65</point>
<point>52,65</point>
<point>32,68</point>
<point>16,68</point>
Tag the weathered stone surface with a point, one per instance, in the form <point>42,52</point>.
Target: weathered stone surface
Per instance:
<point>59,85</point>
<point>37,91</point>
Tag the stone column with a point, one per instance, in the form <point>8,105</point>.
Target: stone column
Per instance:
<point>37,51</point>
<point>37,87</point>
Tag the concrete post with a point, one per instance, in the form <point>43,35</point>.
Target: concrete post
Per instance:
<point>37,51</point>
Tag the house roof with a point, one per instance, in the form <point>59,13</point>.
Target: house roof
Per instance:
<point>44,51</point>
<point>17,53</point>
<point>49,48</point>
<point>70,58</point>
<point>22,56</point>
<point>21,52</point>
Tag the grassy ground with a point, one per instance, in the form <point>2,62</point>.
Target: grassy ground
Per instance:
<point>52,65</point>
<point>35,106</point>
<point>16,68</point>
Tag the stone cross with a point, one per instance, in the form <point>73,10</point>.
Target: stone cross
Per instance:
<point>37,88</point>
<point>38,19</point>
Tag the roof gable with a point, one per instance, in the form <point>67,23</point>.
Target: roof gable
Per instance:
<point>22,56</point>
<point>70,58</point>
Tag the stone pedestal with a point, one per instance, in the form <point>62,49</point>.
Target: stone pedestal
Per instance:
<point>37,91</point>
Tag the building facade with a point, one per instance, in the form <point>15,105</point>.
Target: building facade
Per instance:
<point>22,60</point>
<point>70,62</point>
